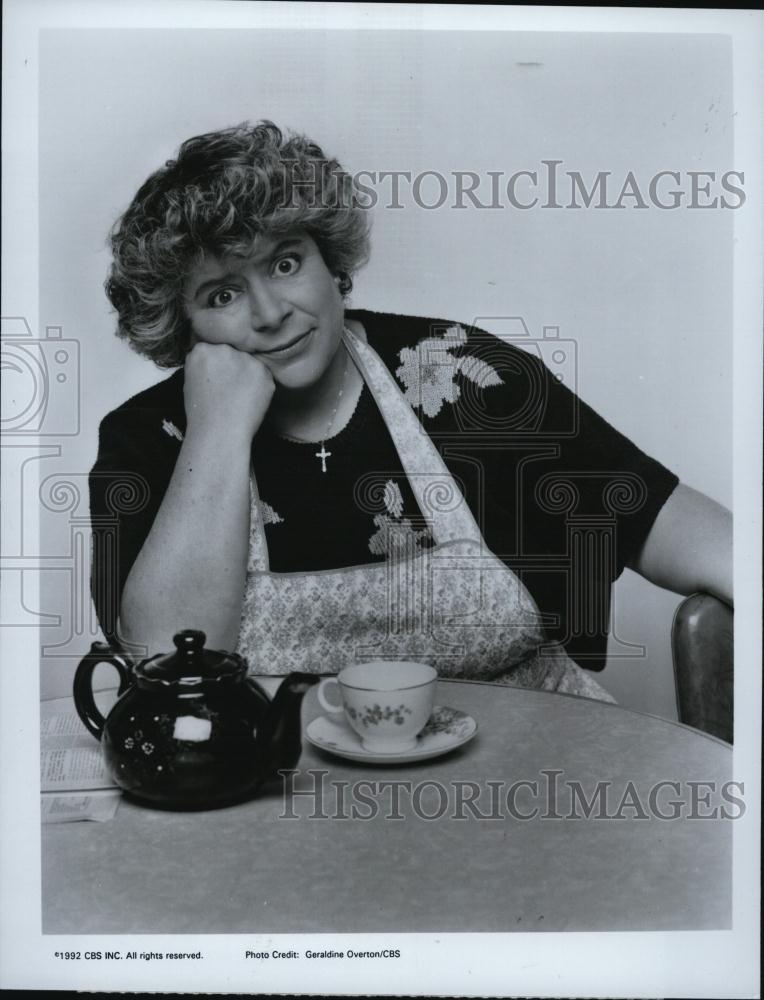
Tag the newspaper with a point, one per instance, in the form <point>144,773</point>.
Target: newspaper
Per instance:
<point>74,781</point>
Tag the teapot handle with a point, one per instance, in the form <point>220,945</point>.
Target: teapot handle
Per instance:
<point>84,701</point>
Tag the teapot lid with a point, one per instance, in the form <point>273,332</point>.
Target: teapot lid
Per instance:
<point>191,665</point>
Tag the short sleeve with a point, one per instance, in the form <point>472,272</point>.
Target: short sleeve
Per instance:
<point>566,500</point>
<point>127,484</point>
<point>560,462</point>
<point>600,477</point>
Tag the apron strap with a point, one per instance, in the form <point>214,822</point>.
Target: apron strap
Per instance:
<point>439,498</point>
<point>257,559</point>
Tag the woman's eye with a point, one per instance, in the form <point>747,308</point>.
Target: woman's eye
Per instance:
<point>287,265</point>
<point>222,297</point>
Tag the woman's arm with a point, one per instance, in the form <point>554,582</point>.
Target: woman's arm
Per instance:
<point>191,570</point>
<point>689,547</point>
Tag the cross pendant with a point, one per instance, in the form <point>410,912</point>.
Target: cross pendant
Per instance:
<point>323,455</point>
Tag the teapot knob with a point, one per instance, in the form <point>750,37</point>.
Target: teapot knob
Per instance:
<point>189,638</point>
<point>190,644</point>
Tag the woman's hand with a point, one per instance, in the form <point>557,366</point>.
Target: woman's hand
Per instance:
<point>226,390</point>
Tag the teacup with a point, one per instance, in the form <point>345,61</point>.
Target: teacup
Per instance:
<point>386,702</point>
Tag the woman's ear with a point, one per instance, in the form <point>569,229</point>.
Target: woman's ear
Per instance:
<point>344,282</point>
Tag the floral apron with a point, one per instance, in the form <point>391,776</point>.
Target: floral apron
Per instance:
<point>454,605</point>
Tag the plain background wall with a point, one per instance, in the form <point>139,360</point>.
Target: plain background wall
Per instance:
<point>646,294</point>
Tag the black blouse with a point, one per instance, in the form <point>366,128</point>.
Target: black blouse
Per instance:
<point>564,499</point>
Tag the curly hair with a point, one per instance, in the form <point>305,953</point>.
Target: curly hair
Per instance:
<point>223,191</point>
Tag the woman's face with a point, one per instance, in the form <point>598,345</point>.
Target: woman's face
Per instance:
<point>281,304</point>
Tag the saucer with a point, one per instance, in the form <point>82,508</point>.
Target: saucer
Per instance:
<point>446,730</point>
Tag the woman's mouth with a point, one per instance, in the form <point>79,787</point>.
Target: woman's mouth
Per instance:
<point>290,348</point>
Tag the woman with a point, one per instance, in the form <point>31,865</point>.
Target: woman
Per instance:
<point>321,484</point>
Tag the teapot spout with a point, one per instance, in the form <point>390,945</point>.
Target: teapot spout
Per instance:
<point>279,738</point>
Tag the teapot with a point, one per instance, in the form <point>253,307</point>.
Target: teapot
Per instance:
<point>190,729</point>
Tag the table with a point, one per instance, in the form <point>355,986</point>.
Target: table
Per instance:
<point>249,869</point>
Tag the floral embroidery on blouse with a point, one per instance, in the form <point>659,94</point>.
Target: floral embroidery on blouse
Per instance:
<point>169,428</point>
<point>428,371</point>
<point>393,498</point>
<point>396,535</point>
<point>269,514</point>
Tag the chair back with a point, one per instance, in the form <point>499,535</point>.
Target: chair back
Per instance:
<point>702,648</point>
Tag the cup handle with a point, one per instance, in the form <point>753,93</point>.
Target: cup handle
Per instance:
<point>84,700</point>
<point>322,699</point>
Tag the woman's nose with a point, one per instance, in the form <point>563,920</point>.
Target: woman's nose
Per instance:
<point>268,308</point>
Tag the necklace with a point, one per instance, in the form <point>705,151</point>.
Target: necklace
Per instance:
<point>324,454</point>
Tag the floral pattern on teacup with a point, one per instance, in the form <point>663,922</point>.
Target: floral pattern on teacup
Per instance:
<point>374,715</point>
